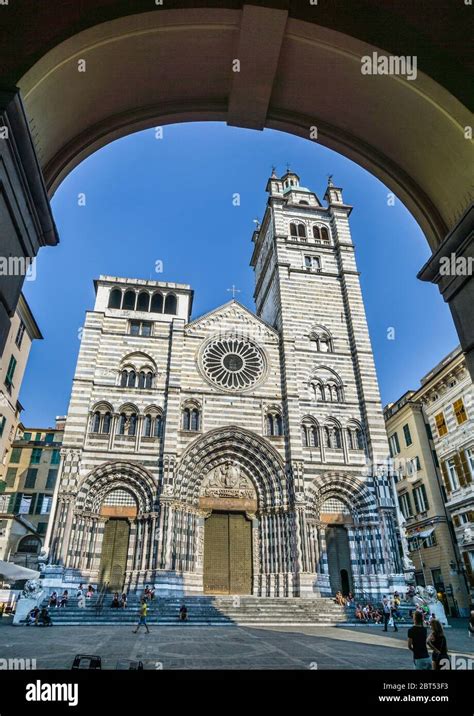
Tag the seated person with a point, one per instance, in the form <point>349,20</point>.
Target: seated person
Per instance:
<point>53,600</point>
<point>116,601</point>
<point>64,598</point>
<point>359,613</point>
<point>44,618</point>
<point>32,617</point>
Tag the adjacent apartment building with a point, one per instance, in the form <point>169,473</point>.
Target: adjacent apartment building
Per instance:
<point>23,331</point>
<point>446,394</point>
<point>26,500</point>
<point>421,495</point>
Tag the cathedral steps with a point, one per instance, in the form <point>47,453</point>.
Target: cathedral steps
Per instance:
<point>210,611</point>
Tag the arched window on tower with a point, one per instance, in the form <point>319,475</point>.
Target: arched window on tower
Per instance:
<point>96,422</point>
<point>327,437</point>
<point>132,424</point>
<point>350,439</point>
<point>132,379</point>
<point>141,379</point>
<point>129,298</point>
<point>360,439</point>
<point>124,379</point>
<point>147,426</point>
<point>158,426</point>
<point>318,391</point>
<point>316,233</point>
<point>106,422</point>
<point>337,438</point>
<point>143,302</point>
<point>122,421</point>
<point>194,419</point>
<point>274,423</point>
<point>157,303</point>
<point>171,304</point>
<point>149,380</point>
<point>309,434</point>
<point>324,235</point>
<point>115,298</point>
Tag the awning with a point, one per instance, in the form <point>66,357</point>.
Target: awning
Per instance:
<point>13,572</point>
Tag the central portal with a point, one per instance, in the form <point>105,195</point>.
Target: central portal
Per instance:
<point>113,561</point>
<point>227,554</point>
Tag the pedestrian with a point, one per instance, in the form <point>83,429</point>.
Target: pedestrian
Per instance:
<point>388,619</point>
<point>115,601</point>
<point>183,613</point>
<point>439,645</point>
<point>417,643</point>
<point>470,626</point>
<point>143,615</point>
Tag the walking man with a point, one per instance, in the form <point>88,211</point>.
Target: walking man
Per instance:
<point>387,614</point>
<point>143,615</point>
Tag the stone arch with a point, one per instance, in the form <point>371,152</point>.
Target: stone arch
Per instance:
<point>113,475</point>
<point>258,460</point>
<point>350,490</point>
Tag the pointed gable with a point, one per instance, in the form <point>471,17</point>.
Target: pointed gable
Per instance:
<point>232,317</point>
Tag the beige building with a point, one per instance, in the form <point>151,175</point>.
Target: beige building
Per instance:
<point>427,524</point>
<point>448,403</point>
<point>23,331</point>
<point>26,500</point>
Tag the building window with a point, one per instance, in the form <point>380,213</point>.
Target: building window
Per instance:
<point>143,302</point>
<point>140,328</point>
<point>132,379</point>
<point>29,545</point>
<point>147,426</point>
<point>157,303</point>
<point>441,426</point>
<point>191,419</point>
<point>55,457</point>
<point>115,298</point>
<point>132,424</point>
<point>324,235</point>
<point>11,476</point>
<point>19,334</point>
<point>298,232</point>
<point>274,424</point>
<point>49,437</point>
<point>413,465</point>
<point>3,420</point>
<point>41,528</point>
<point>10,372</point>
<point>124,378</point>
<point>470,460</point>
<point>171,304</point>
<point>312,263</point>
<point>394,444</point>
<point>16,455</point>
<point>129,298</point>
<point>407,435</point>
<point>30,479</point>
<point>310,435</point>
<point>405,505</point>
<point>96,422</point>
<point>36,456</point>
<point>459,411</point>
<point>51,479</point>
<point>106,422</point>
<point>452,474</point>
<point>46,505</point>
<point>421,500</point>
<point>26,504</point>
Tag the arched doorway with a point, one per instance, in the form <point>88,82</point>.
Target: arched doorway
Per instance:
<point>336,517</point>
<point>228,497</point>
<point>339,559</point>
<point>119,507</point>
<point>227,553</point>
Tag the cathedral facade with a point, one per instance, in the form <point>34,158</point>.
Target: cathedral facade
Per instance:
<point>240,452</point>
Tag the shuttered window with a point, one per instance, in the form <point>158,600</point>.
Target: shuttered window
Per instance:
<point>459,411</point>
<point>441,426</point>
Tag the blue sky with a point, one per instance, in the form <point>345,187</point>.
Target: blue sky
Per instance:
<point>171,200</point>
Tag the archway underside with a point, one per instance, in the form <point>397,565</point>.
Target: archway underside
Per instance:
<point>294,76</point>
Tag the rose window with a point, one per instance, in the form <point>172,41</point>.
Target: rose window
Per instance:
<point>233,363</point>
